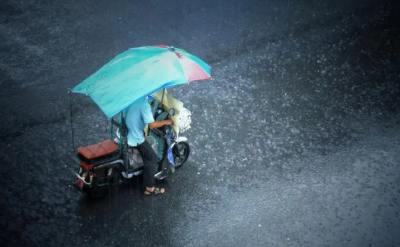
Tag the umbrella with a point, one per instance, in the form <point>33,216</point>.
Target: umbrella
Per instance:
<point>139,72</point>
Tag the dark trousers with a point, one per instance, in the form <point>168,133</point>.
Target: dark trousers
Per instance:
<point>150,162</point>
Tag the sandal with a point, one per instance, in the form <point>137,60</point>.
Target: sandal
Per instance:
<point>156,191</point>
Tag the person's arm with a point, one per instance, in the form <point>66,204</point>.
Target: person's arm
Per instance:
<point>148,118</point>
<point>159,124</point>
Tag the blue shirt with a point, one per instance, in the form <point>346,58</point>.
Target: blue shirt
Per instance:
<point>136,118</point>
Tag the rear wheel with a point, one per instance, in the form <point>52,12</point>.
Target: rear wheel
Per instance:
<point>114,181</point>
<point>181,152</point>
<point>114,178</point>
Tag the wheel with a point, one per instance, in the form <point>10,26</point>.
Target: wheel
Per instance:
<point>162,167</point>
<point>163,170</point>
<point>114,181</point>
<point>181,153</point>
<point>92,192</point>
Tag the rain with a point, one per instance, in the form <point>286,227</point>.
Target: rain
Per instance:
<point>294,142</point>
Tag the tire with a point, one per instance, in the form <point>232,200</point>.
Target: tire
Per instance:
<point>181,152</point>
<point>114,179</point>
<point>114,182</point>
<point>93,192</point>
<point>162,163</point>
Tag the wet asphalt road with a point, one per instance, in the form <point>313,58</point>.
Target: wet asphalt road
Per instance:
<point>296,141</point>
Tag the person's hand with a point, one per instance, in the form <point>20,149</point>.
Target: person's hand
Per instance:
<point>169,122</point>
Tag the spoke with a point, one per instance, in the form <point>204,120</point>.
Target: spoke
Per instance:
<point>180,149</point>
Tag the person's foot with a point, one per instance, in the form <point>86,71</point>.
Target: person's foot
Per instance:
<point>154,191</point>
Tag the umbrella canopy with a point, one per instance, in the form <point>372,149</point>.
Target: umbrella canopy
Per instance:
<point>139,72</point>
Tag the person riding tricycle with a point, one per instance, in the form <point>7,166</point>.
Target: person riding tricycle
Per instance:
<point>147,139</point>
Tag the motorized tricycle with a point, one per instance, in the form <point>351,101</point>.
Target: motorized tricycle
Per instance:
<point>108,164</point>
<point>128,77</point>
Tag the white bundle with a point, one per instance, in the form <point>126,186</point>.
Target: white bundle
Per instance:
<point>184,120</point>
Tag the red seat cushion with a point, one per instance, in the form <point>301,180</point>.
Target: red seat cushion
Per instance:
<point>96,150</point>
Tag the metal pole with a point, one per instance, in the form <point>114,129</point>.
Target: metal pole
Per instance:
<point>70,115</point>
<point>162,98</point>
